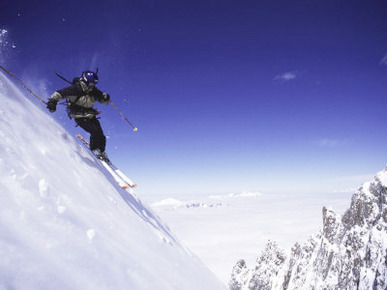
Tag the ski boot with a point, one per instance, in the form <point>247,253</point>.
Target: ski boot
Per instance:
<point>100,155</point>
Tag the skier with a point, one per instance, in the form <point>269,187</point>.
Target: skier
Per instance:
<point>81,96</point>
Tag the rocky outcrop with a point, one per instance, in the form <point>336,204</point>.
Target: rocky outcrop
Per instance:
<point>349,252</point>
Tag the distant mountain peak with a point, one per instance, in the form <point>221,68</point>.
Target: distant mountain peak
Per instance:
<point>349,252</point>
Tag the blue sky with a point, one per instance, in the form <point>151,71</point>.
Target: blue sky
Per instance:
<point>228,96</point>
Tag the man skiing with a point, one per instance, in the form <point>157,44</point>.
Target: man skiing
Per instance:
<point>81,96</point>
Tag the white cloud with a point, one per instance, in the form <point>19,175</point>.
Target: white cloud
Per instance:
<point>346,190</point>
<point>331,143</point>
<point>361,178</point>
<point>384,60</point>
<point>233,195</point>
<point>286,77</point>
<point>242,227</point>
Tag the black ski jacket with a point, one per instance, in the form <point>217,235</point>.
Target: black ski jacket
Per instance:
<point>81,99</point>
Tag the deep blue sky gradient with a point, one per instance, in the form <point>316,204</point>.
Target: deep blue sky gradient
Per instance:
<point>228,96</point>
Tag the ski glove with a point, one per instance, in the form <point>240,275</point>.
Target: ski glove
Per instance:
<point>106,97</point>
<point>51,105</point>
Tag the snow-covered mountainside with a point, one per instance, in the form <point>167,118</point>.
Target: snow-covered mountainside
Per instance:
<point>350,252</point>
<point>64,222</point>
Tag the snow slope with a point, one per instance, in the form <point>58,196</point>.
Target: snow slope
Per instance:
<point>65,224</point>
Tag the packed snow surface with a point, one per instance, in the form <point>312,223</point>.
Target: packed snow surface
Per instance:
<point>64,222</point>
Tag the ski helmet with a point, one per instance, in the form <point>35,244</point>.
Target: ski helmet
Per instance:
<point>89,77</point>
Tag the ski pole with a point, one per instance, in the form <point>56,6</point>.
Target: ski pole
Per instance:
<point>20,82</point>
<point>123,116</point>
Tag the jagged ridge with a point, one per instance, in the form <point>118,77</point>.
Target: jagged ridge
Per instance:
<point>350,252</point>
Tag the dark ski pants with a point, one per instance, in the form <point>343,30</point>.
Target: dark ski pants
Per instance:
<point>97,138</point>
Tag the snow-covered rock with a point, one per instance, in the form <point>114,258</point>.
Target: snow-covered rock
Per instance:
<point>66,224</point>
<point>350,252</point>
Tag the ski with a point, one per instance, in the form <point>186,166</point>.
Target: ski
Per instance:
<point>122,180</point>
